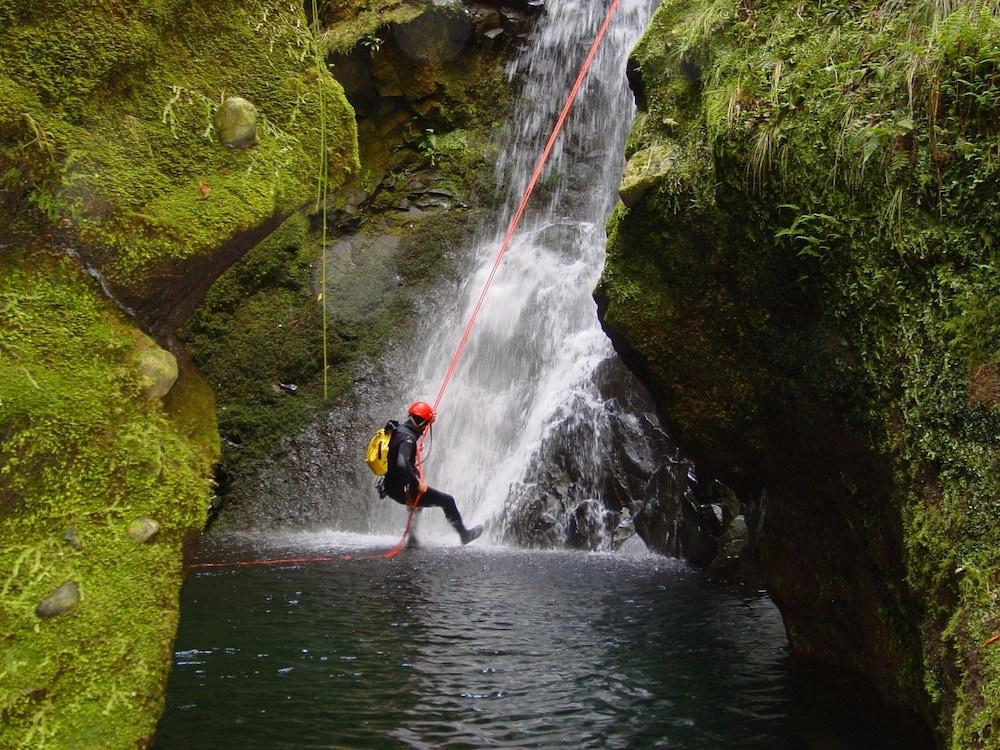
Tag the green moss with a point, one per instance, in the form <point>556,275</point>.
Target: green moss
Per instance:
<point>260,325</point>
<point>345,23</point>
<point>823,259</point>
<point>112,110</point>
<point>106,139</point>
<point>83,449</point>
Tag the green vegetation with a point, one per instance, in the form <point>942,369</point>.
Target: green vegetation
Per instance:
<point>106,124</point>
<point>108,145</point>
<point>261,324</point>
<point>82,449</point>
<point>821,265</point>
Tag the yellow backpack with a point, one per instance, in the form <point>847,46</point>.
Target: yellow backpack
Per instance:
<point>377,455</point>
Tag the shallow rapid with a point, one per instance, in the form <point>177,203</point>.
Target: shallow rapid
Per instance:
<point>484,647</point>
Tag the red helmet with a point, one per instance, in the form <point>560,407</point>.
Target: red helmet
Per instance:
<point>422,410</point>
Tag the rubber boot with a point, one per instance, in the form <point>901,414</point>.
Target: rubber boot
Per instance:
<point>471,535</point>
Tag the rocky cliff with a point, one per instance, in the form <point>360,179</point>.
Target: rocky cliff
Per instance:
<point>143,148</point>
<point>146,151</point>
<point>804,271</point>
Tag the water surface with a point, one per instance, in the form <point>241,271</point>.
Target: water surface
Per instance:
<point>485,647</point>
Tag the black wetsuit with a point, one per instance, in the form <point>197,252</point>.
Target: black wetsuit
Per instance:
<point>402,481</point>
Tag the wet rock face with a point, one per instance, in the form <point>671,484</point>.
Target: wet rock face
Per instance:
<point>398,81</point>
<point>316,478</point>
<point>601,475</point>
<point>434,37</point>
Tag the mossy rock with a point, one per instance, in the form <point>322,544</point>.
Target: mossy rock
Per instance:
<point>236,122</point>
<point>84,448</point>
<point>110,111</point>
<point>157,368</point>
<point>813,298</point>
<point>645,170</point>
<point>64,599</point>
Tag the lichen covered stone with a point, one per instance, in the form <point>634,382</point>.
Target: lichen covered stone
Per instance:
<point>236,122</point>
<point>643,171</point>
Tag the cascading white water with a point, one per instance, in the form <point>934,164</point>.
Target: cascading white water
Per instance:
<point>529,368</point>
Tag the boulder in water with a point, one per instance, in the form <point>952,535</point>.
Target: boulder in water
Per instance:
<point>236,122</point>
<point>60,601</point>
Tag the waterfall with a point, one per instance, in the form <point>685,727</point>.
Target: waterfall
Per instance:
<point>526,432</point>
<point>542,434</point>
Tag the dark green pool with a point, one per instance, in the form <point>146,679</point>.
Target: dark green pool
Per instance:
<point>480,647</point>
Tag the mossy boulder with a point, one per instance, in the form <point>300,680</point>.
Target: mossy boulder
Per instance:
<point>84,449</point>
<point>157,368</point>
<point>812,298</point>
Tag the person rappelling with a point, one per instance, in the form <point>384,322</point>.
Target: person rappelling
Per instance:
<point>396,449</point>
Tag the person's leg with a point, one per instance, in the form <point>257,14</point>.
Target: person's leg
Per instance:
<point>436,499</point>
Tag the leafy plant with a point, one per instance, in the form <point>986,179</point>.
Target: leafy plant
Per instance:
<point>372,43</point>
<point>428,146</point>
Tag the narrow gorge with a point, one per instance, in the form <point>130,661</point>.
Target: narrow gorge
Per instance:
<point>729,415</point>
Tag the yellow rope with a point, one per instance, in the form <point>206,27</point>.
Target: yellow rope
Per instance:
<point>322,184</point>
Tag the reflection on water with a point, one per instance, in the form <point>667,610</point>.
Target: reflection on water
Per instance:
<point>484,647</point>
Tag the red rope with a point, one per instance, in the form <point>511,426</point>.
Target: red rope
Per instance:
<point>532,183</point>
<point>467,331</point>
